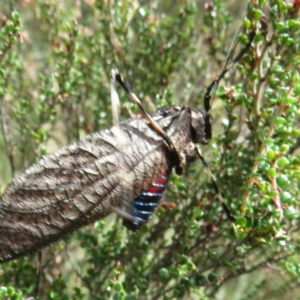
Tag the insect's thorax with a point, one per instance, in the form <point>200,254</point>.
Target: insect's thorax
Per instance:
<point>185,127</point>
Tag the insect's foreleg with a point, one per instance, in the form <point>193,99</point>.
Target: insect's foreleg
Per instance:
<point>217,191</point>
<point>242,52</point>
<point>209,94</point>
<point>116,76</point>
<point>38,275</point>
<point>115,103</point>
<point>208,97</point>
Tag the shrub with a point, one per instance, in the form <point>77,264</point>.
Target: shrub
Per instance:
<point>55,64</point>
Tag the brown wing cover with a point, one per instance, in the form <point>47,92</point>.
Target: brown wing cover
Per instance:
<point>82,182</point>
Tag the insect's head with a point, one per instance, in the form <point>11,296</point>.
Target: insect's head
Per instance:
<point>201,126</point>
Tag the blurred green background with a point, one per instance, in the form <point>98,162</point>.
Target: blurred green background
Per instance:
<point>55,64</point>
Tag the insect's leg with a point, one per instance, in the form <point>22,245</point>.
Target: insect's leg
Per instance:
<point>217,191</point>
<point>210,91</point>
<point>115,103</point>
<point>208,97</point>
<point>116,76</point>
<point>38,275</point>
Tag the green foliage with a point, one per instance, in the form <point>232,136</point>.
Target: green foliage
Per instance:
<point>55,64</point>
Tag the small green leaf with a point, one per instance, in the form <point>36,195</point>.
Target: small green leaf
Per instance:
<point>272,172</point>
<point>271,155</point>
<point>257,14</point>
<point>212,277</point>
<point>282,162</point>
<point>164,274</point>
<point>242,221</point>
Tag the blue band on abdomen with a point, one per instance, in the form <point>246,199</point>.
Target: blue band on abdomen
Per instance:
<point>146,203</point>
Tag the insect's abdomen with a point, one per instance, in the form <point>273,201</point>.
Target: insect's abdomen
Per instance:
<point>146,203</point>
<point>83,182</point>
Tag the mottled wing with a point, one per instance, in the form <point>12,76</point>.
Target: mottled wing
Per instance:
<point>83,182</point>
<point>77,185</point>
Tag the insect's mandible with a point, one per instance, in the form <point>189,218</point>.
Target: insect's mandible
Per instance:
<point>124,169</point>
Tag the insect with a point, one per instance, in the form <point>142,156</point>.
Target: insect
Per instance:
<point>123,169</point>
